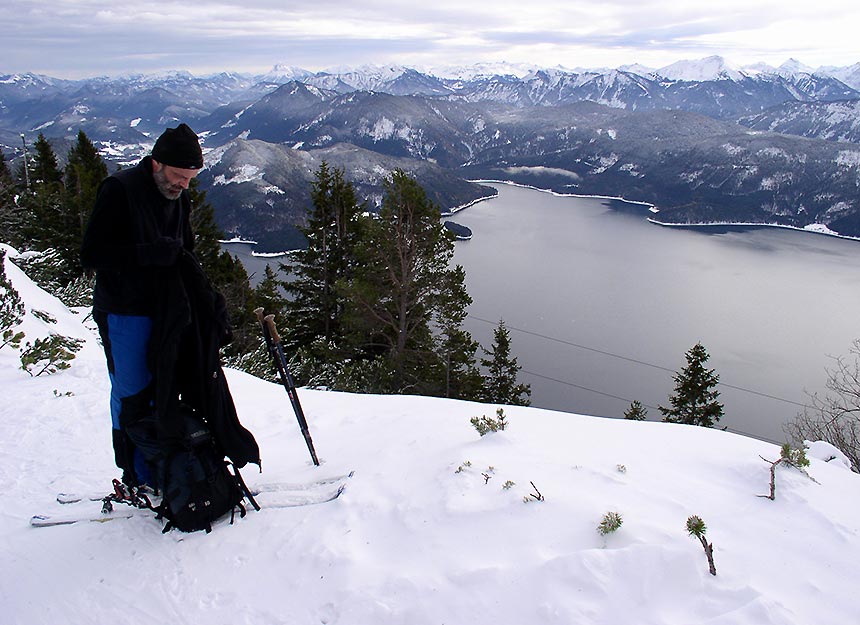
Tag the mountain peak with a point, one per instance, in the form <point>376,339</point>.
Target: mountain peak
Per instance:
<point>793,66</point>
<point>709,68</point>
<point>285,73</point>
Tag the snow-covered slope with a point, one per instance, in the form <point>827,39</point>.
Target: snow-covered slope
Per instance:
<point>709,68</point>
<point>426,532</point>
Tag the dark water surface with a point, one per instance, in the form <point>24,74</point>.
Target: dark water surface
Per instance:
<point>602,305</point>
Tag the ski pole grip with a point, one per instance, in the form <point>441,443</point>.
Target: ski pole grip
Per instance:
<point>270,322</point>
<point>259,313</point>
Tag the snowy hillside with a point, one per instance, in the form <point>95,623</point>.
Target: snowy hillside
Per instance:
<point>710,68</point>
<point>426,531</point>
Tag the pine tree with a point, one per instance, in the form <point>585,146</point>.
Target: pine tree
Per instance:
<point>226,273</point>
<point>267,293</point>
<point>636,412</point>
<point>11,214</point>
<point>695,399</point>
<point>43,198</point>
<point>207,233</point>
<point>403,287</point>
<point>500,383</point>
<point>231,279</point>
<point>316,308</point>
<point>84,172</point>
<point>462,378</point>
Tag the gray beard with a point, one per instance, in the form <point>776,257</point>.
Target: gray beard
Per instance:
<point>164,187</point>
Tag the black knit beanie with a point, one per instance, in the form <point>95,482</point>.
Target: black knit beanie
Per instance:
<point>178,147</point>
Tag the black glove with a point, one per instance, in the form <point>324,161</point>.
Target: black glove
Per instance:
<point>162,253</point>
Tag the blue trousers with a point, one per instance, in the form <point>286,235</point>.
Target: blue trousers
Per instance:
<point>126,339</point>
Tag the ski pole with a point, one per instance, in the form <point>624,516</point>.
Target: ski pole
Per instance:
<point>273,343</point>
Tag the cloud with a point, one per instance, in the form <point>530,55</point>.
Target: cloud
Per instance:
<point>84,37</point>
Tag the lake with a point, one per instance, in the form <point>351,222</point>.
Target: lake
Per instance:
<point>602,305</point>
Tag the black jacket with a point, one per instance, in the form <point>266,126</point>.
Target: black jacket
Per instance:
<point>129,214</point>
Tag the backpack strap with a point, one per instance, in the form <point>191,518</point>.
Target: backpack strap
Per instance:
<point>245,490</point>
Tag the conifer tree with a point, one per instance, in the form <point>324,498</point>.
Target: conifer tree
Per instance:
<point>500,382</point>
<point>226,272</point>
<point>84,172</point>
<point>231,279</point>
<point>11,214</point>
<point>316,307</point>
<point>636,412</point>
<point>267,293</point>
<point>401,285</point>
<point>462,377</point>
<point>43,199</point>
<point>695,399</point>
<point>207,232</point>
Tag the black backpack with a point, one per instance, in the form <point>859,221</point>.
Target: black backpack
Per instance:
<point>195,480</point>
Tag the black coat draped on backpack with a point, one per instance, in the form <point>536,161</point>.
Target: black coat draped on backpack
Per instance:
<point>190,325</point>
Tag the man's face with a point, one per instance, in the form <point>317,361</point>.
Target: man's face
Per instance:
<point>171,180</point>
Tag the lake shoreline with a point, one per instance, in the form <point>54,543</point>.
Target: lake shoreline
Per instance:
<point>820,229</point>
<point>749,226</point>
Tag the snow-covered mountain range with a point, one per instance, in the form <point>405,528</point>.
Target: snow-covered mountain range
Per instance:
<point>702,140</point>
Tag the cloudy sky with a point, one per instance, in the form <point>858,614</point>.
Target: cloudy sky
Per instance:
<point>82,38</point>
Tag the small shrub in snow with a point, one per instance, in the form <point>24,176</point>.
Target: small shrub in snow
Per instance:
<point>11,338</point>
<point>11,309</point>
<point>485,424</point>
<point>488,474</point>
<point>535,496</point>
<point>794,457</point>
<point>463,466</point>
<point>49,355</point>
<point>787,455</point>
<point>257,362</point>
<point>508,485</point>
<point>43,316</point>
<point>610,523</point>
<point>696,528</point>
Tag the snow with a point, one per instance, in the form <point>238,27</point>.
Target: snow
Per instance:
<point>425,532</point>
<point>240,174</point>
<point>605,162</point>
<point>732,150</point>
<point>822,229</point>
<point>709,68</point>
<point>848,158</point>
<point>478,70</point>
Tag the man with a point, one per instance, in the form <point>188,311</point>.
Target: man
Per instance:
<point>160,321</point>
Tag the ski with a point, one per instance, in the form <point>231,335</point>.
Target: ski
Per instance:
<point>272,499</point>
<point>295,499</point>
<point>279,487</point>
<point>50,520</point>
<point>69,498</point>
